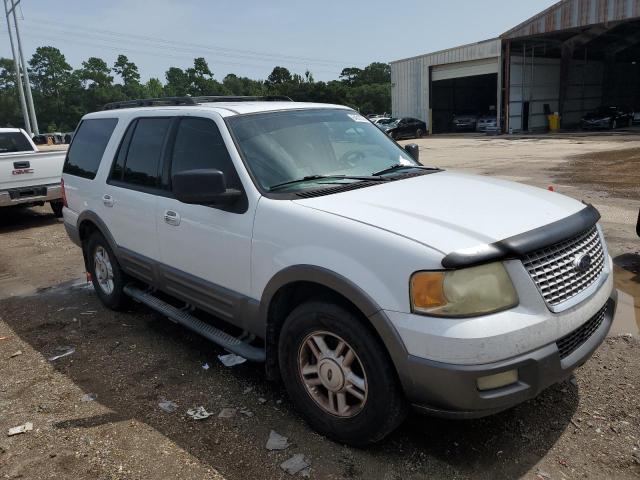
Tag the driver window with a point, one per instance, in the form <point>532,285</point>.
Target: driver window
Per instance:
<point>199,145</point>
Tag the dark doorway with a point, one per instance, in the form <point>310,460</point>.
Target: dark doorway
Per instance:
<point>466,95</point>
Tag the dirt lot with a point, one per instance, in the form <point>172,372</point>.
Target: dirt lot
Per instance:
<point>586,428</point>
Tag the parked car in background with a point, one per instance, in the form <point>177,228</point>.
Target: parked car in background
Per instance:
<point>406,127</point>
<point>610,117</point>
<point>383,120</point>
<point>299,235</point>
<point>486,122</point>
<point>465,121</point>
<point>28,177</point>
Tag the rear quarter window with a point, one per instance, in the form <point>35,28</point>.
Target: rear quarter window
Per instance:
<point>87,148</point>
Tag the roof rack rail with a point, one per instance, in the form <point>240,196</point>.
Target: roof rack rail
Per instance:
<point>172,101</point>
<point>150,102</point>
<point>243,98</point>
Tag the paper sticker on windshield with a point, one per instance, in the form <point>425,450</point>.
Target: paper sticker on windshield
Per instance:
<point>357,118</point>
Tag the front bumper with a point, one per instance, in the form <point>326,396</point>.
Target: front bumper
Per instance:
<point>451,390</point>
<point>30,195</point>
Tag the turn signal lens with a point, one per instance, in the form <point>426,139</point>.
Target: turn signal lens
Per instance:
<point>466,292</point>
<point>427,290</point>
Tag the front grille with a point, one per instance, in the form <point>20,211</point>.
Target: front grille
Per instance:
<point>571,342</point>
<point>553,269</point>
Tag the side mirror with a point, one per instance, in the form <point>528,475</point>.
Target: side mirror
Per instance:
<point>413,150</point>
<point>203,187</point>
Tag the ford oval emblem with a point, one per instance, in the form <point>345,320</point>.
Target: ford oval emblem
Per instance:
<point>582,263</point>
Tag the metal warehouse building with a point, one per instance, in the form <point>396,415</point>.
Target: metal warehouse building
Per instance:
<point>571,58</point>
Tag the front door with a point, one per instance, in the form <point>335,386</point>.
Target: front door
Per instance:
<point>205,250</point>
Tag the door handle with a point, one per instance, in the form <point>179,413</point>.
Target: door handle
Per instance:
<point>108,200</point>
<point>172,218</point>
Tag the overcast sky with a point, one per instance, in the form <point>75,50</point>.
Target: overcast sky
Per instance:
<point>250,37</point>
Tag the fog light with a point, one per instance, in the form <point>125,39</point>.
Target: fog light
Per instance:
<point>498,380</point>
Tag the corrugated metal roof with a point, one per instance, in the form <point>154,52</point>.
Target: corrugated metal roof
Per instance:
<point>471,51</point>
<point>572,14</point>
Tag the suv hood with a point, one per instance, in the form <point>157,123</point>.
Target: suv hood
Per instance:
<point>449,211</point>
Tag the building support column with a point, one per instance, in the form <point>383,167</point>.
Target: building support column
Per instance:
<point>565,65</point>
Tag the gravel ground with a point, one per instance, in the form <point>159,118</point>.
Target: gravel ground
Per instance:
<point>585,428</point>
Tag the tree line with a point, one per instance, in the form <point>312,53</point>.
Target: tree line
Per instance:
<point>62,95</point>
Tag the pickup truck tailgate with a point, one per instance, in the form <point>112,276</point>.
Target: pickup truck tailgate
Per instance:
<point>30,169</point>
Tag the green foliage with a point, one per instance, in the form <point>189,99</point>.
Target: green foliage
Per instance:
<point>63,95</point>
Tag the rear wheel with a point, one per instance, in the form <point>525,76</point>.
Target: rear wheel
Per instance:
<point>338,374</point>
<point>419,133</point>
<point>56,208</point>
<point>106,275</point>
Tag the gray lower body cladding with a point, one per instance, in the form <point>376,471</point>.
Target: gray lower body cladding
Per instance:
<point>451,390</point>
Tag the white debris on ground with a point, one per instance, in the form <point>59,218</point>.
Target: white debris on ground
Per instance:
<point>167,405</point>
<point>27,427</point>
<point>231,359</point>
<point>227,413</point>
<point>89,397</point>
<point>64,352</point>
<point>15,354</point>
<point>198,413</point>
<point>277,441</point>
<point>295,464</point>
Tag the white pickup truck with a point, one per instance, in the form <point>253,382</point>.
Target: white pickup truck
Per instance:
<point>28,177</point>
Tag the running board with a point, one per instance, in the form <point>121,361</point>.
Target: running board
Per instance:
<point>226,341</point>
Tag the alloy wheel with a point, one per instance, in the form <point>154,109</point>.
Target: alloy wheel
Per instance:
<point>103,270</point>
<point>332,374</point>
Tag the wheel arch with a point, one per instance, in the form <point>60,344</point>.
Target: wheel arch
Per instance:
<point>295,284</point>
<point>89,222</point>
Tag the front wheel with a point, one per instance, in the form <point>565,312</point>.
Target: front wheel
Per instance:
<point>419,133</point>
<point>338,374</point>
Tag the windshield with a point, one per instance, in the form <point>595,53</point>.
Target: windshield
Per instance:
<point>282,147</point>
<point>14,142</point>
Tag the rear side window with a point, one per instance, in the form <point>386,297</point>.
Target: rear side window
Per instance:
<point>87,148</point>
<point>138,160</point>
<point>199,145</point>
<point>14,142</point>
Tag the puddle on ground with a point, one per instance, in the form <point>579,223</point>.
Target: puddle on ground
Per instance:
<point>627,319</point>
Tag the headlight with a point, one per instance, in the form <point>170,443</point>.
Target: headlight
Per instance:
<point>466,292</point>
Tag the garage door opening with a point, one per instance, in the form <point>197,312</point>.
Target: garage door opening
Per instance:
<point>471,97</point>
<point>574,73</point>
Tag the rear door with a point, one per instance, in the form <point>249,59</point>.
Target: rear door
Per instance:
<point>129,197</point>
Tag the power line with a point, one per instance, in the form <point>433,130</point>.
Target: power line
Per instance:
<point>176,48</point>
<point>48,23</point>
<point>110,45</point>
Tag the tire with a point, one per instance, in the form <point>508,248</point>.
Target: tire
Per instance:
<point>419,133</point>
<point>113,298</point>
<point>362,421</point>
<point>56,208</point>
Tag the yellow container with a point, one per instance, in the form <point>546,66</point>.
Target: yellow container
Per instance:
<point>554,122</point>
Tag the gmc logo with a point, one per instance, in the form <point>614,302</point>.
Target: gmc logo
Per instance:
<point>22,171</point>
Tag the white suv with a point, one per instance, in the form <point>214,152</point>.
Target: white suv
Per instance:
<point>301,236</point>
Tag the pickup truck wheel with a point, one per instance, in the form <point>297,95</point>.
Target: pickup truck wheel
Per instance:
<point>107,277</point>
<point>338,375</point>
<point>56,207</point>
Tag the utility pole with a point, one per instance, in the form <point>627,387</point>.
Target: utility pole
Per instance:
<point>23,104</point>
<point>25,72</point>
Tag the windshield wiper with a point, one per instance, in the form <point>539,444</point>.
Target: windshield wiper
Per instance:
<point>401,166</point>
<point>373,178</point>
